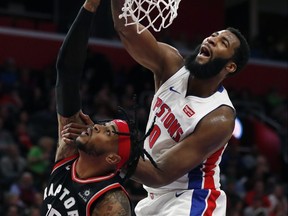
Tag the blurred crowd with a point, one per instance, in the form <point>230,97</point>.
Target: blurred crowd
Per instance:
<point>28,137</point>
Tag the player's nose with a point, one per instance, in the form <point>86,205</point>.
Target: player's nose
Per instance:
<point>212,40</point>
<point>97,127</point>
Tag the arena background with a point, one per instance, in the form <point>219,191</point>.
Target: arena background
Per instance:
<point>31,33</point>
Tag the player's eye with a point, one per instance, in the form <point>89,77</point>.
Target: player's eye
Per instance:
<point>225,43</point>
<point>214,34</point>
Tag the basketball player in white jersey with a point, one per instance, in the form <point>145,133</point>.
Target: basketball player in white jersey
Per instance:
<point>194,119</point>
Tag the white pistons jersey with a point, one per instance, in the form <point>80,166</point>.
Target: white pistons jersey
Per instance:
<point>177,115</point>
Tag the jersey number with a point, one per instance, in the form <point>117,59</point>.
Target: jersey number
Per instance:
<point>154,135</point>
<point>51,211</point>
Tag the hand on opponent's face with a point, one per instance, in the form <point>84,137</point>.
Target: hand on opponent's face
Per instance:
<point>72,130</point>
<point>86,119</point>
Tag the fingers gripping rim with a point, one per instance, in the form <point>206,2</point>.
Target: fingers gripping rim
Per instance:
<point>157,14</point>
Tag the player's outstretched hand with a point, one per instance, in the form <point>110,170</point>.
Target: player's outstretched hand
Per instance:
<point>91,5</point>
<point>72,130</point>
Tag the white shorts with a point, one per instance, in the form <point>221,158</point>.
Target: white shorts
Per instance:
<point>183,203</point>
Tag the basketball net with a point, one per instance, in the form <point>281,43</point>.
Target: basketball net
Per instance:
<point>157,14</point>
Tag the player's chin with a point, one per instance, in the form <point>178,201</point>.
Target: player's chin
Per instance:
<point>200,59</point>
<point>80,145</point>
<point>81,140</point>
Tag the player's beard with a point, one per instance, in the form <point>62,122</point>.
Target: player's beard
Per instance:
<point>85,148</point>
<point>207,70</point>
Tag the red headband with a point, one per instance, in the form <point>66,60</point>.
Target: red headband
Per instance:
<point>124,144</point>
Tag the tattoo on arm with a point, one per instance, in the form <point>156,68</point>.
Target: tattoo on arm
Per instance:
<point>114,203</point>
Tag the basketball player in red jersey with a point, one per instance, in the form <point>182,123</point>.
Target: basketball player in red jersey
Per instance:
<point>85,179</point>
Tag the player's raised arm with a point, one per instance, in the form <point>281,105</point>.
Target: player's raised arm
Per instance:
<point>162,59</point>
<point>70,64</point>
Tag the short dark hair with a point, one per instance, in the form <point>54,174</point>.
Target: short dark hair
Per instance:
<point>242,53</point>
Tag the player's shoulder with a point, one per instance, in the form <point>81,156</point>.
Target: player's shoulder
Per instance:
<point>223,113</point>
<point>226,111</point>
<point>223,116</point>
<point>113,202</point>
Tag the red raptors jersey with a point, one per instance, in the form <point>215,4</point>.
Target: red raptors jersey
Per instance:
<point>66,194</point>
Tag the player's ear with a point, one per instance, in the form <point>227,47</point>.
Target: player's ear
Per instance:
<point>231,67</point>
<point>113,159</point>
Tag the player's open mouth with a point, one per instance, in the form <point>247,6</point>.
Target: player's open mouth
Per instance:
<point>205,51</point>
<point>87,132</point>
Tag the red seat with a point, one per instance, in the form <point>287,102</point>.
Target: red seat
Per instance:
<point>24,24</point>
<point>47,26</point>
<point>6,21</point>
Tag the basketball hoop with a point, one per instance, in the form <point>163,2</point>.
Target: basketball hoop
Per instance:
<point>157,14</point>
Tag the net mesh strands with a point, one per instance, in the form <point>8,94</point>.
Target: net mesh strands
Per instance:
<point>157,14</point>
